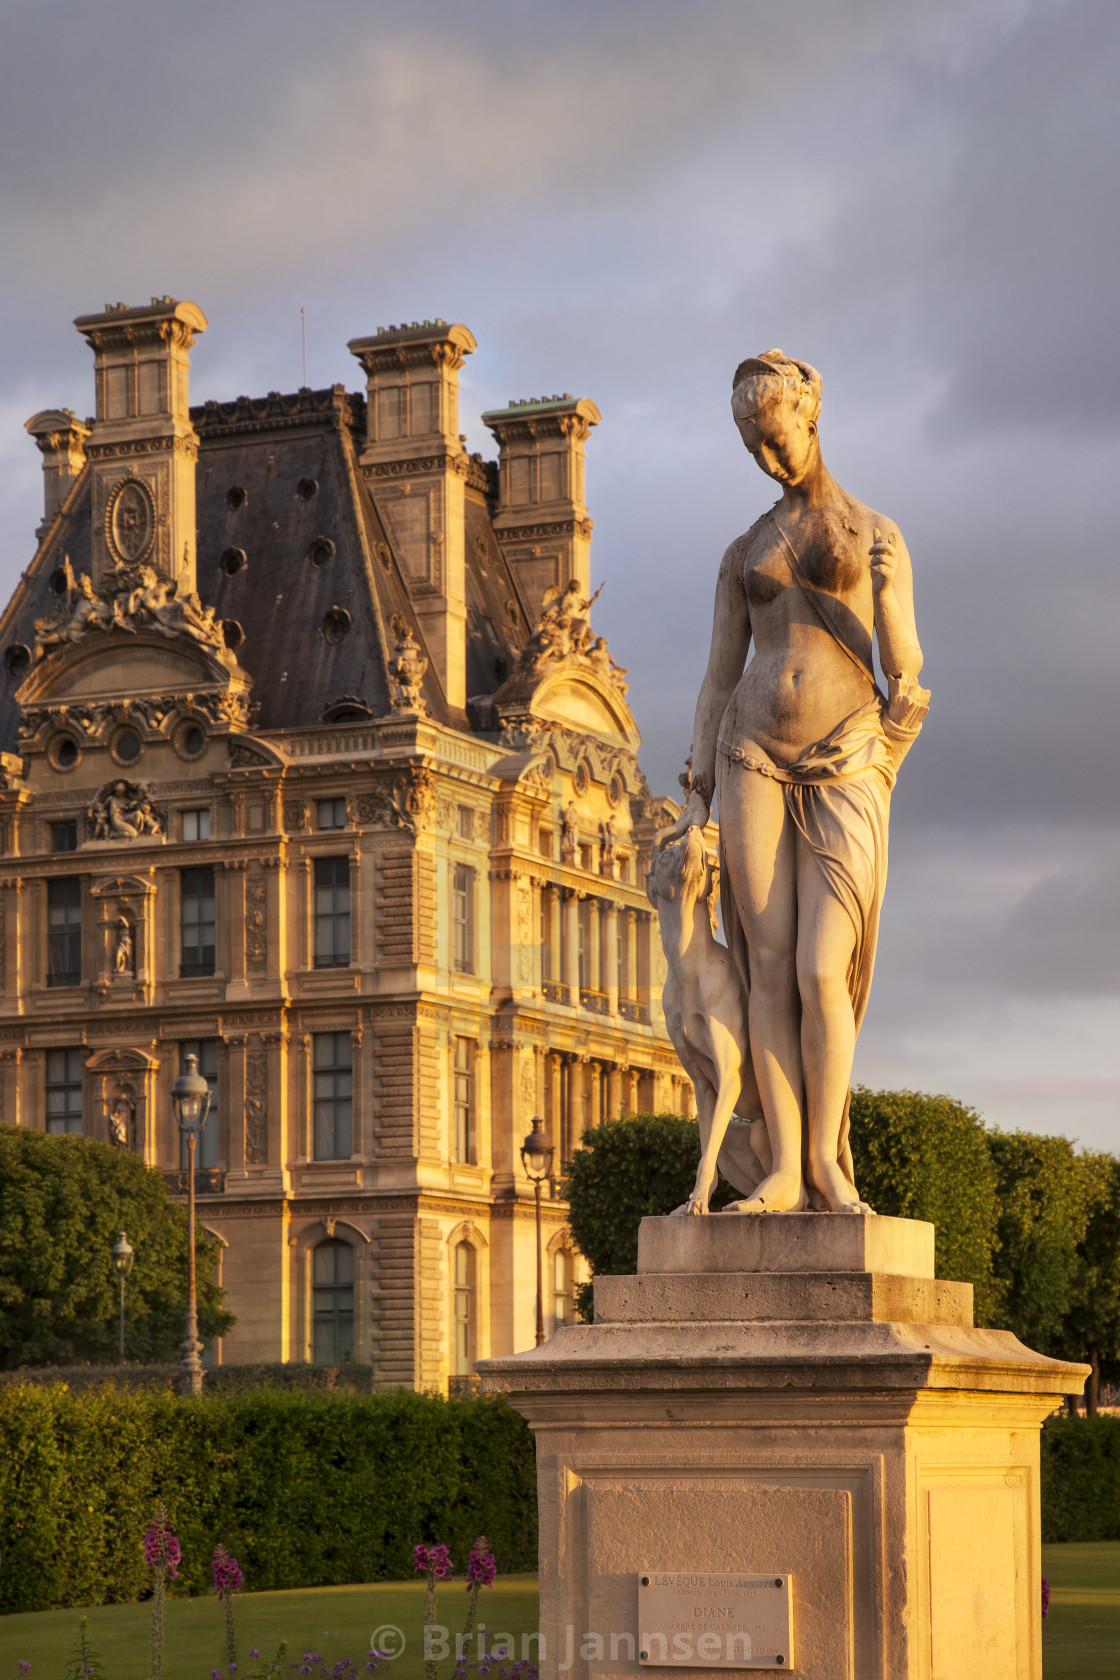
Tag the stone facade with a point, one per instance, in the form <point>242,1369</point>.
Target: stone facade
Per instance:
<point>314,767</point>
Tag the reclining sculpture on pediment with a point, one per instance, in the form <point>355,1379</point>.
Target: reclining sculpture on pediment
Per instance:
<point>142,599</point>
<point>124,811</point>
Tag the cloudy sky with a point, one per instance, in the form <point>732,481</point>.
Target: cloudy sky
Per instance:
<point>622,198</point>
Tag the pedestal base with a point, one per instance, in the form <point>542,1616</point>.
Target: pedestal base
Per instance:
<point>887,1465</point>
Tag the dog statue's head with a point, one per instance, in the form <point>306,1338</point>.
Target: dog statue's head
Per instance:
<point>681,871</point>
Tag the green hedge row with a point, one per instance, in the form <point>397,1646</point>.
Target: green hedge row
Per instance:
<point>1081,1478</point>
<point>305,1488</point>
<point>217,1379</point>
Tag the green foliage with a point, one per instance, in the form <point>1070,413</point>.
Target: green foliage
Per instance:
<point>620,1173</point>
<point>305,1488</point>
<point>1092,1326</point>
<point>923,1157</point>
<point>84,1664</point>
<point>1043,1216</point>
<point>1081,1478</point>
<point>351,1377</point>
<point>63,1203</point>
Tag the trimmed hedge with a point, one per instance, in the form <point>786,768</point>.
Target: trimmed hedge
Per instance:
<point>305,1488</point>
<point>1081,1478</point>
<point>217,1379</point>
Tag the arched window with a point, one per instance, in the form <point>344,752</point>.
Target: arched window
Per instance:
<point>332,1302</point>
<point>464,1309</point>
<point>561,1288</point>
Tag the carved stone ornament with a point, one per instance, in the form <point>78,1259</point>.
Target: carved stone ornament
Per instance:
<point>563,635</point>
<point>406,669</point>
<point>152,712</point>
<point>256,925</point>
<point>406,802</point>
<point>124,950</point>
<point>256,1108</point>
<point>130,521</point>
<point>124,811</point>
<point>140,598</point>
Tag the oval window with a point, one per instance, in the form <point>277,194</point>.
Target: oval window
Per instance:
<point>65,752</point>
<point>307,488</point>
<point>17,659</point>
<point>236,497</point>
<point>336,624</point>
<point>320,551</point>
<point>232,561</point>
<point>127,746</point>
<point>190,740</point>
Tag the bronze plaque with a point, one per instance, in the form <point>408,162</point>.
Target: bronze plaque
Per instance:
<point>714,1621</point>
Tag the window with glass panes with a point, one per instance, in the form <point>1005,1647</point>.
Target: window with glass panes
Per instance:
<point>464,1309</point>
<point>64,1090</point>
<point>462,918</point>
<point>64,931</point>
<point>330,813</point>
<point>332,1302</point>
<point>206,1146</point>
<point>332,912</point>
<point>464,1099</point>
<point>332,1077</point>
<point>197,920</point>
<point>196,825</point>
<point>561,1286</point>
<point>64,837</point>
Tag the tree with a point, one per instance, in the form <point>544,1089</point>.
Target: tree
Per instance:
<point>927,1157</point>
<point>1091,1329</point>
<point>622,1172</point>
<point>63,1203</point>
<point>1044,1200</point>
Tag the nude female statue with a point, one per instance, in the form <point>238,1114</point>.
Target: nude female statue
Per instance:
<point>802,747</point>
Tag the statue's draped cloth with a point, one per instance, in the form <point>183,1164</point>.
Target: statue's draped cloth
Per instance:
<point>838,792</point>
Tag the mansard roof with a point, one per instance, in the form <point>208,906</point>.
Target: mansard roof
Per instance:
<point>288,533</point>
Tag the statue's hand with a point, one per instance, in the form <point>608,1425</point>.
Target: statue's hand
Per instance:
<point>694,815</point>
<point>884,560</point>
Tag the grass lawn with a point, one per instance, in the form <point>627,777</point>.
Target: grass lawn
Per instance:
<point>1080,1638</point>
<point>335,1621</point>
<point>1081,1635</point>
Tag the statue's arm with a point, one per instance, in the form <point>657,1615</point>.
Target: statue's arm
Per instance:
<point>892,580</point>
<point>731,640</point>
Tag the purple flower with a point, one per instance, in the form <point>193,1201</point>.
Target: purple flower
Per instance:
<point>432,1560</point>
<point>227,1572</point>
<point>1045,1596</point>
<point>215,1674</point>
<point>481,1565</point>
<point>159,1538</point>
<point>24,1666</point>
<point>254,1652</point>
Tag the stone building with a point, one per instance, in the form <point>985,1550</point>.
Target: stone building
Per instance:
<point>314,768</point>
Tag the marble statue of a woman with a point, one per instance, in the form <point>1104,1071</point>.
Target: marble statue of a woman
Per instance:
<point>801,747</point>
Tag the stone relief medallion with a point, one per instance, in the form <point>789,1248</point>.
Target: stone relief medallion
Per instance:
<point>130,521</point>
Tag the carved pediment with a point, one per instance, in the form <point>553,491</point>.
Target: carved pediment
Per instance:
<point>122,886</point>
<point>121,1061</point>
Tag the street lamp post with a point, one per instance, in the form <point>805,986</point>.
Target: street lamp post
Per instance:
<point>123,1256</point>
<point>190,1099</point>
<point>536,1157</point>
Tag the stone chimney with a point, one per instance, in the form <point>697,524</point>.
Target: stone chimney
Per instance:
<point>61,439</point>
<point>416,467</point>
<point>143,447</point>
<point>542,521</point>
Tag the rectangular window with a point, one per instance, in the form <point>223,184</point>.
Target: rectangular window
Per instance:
<point>544,842</point>
<point>464,1309</point>
<point>206,1148</point>
<point>462,919</point>
<point>332,912</point>
<point>332,1303</point>
<point>464,1100</point>
<point>466,822</point>
<point>64,931</point>
<point>330,813</point>
<point>333,1096</point>
<point>196,921</point>
<point>64,1090</point>
<point>196,825</point>
<point>64,837</point>
<point>546,934</point>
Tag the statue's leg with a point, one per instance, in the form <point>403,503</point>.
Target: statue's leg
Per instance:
<point>825,948</point>
<point>759,848</point>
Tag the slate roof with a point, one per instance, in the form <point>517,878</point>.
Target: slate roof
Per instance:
<point>279,484</point>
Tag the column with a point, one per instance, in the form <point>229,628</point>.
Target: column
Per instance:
<point>610,957</point>
<point>571,944</point>
<point>614,1087</point>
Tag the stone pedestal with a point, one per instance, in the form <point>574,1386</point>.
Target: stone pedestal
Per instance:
<point>792,1395</point>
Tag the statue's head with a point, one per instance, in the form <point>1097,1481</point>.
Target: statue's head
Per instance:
<point>775,402</point>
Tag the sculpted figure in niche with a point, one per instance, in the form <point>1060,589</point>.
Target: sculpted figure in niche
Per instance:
<point>802,747</point>
<point>120,1120</point>
<point>124,956</point>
